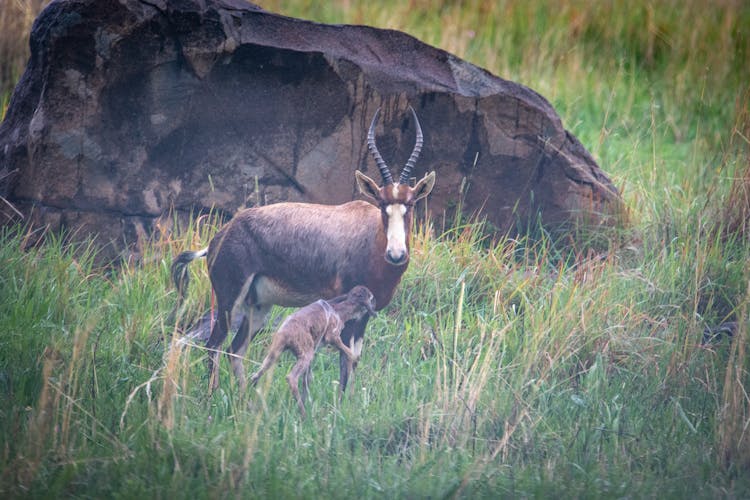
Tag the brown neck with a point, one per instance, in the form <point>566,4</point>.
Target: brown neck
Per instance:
<point>385,277</point>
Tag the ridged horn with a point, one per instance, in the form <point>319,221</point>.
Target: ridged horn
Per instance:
<point>385,172</point>
<point>406,172</point>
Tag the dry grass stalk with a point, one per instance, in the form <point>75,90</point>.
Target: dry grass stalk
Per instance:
<point>171,373</point>
<point>736,216</point>
<point>42,422</point>
<point>734,412</point>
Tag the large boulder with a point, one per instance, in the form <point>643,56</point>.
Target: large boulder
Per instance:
<point>130,109</point>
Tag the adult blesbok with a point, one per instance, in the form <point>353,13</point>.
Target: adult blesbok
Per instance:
<point>292,254</point>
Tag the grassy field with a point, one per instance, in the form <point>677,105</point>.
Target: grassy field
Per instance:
<point>524,368</point>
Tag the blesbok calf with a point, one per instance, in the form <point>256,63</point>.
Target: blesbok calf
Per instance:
<point>292,254</point>
<point>304,330</point>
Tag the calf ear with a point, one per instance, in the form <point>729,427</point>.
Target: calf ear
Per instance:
<point>367,186</point>
<point>424,187</point>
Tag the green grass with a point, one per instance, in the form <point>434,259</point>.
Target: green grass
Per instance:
<point>526,368</point>
<point>499,369</point>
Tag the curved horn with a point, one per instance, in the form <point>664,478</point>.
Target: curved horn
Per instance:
<point>406,172</point>
<point>385,172</point>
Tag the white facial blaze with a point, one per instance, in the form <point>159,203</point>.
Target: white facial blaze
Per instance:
<point>396,233</point>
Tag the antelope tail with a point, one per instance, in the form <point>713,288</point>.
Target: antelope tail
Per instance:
<point>180,275</point>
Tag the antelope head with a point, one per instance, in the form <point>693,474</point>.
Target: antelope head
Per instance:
<point>396,200</point>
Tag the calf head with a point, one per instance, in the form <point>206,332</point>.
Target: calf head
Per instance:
<point>362,297</point>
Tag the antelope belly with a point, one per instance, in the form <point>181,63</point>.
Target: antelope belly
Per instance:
<point>269,291</point>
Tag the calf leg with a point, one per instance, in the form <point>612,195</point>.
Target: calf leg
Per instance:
<point>306,383</point>
<point>299,369</point>
<point>339,344</point>
<point>273,354</point>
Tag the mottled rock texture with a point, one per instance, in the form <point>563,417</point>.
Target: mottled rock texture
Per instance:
<point>130,109</point>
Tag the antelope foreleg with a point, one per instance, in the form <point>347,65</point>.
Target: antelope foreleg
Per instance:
<point>352,334</point>
<point>346,368</point>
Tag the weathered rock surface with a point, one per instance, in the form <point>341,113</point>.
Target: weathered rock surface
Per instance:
<point>130,109</point>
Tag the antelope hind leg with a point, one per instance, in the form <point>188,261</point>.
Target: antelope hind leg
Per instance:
<point>218,334</point>
<point>255,318</point>
<point>237,352</point>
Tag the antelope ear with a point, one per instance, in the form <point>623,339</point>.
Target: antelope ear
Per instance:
<point>367,186</point>
<point>424,187</point>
